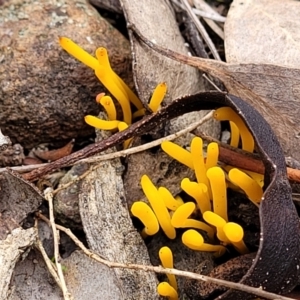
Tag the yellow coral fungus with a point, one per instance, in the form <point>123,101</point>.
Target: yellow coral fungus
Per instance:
<point>228,114</point>
<point>166,290</point>
<point>217,221</point>
<point>109,107</point>
<point>158,206</point>
<point>77,52</point>
<point>216,178</point>
<point>235,234</point>
<point>198,161</point>
<point>194,240</point>
<point>158,96</point>
<point>234,135</point>
<point>122,126</point>
<point>166,258</point>
<point>212,155</point>
<point>170,202</point>
<point>199,192</point>
<point>146,215</point>
<point>102,56</point>
<point>178,153</point>
<point>101,124</point>
<point>252,189</point>
<point>118,93</point>
<point>180,219</point>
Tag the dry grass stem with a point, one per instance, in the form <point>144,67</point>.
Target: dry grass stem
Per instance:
<point>49,197</point>
<point>202,30</point>
<point>48,262</point>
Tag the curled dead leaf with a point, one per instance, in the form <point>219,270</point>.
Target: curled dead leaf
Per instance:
<point>57,153</point>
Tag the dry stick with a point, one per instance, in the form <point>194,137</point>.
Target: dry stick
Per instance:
<point>232,285</point>
<point>202,30</point>
<point>24,169</point>
<point>48,262</point>
<point>129,151</point>
<point>49,198</point>
<point>148,145</point>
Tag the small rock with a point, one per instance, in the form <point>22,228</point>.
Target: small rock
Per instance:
<point>44,92</point>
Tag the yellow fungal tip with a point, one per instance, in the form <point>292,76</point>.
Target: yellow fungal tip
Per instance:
<point>216,178</point>
<point>166,258</point>
<point>158,96</point>
<point>143,211</point>
<point>250,186</point>
<point>178,153</point>
<point>166,290</point>
<point>158,206</point>
<point>77,52</point>
<point>101,124</point>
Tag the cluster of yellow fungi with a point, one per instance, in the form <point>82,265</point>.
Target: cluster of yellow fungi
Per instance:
<point>116,86</point>
<point>207,214</point>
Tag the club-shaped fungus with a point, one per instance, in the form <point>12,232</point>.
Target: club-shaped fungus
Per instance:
<point>102,56</point>
<point>234,135</point>
<point>158,206</point>
<point>145,214</point>
<point>217,181</point>
<point>199,192</point>
<point>178,153</point>
<point>250,186</point>
<point>194,240</point>
<point>166,290</point>
<point>218,222</point>
<point>115,90</point>
<point>198,162</point>
<point>109,106</point>
<point>101,124</point>
<point>212,155</point>
<point>180,219</point>
<point>235,234</point>
<point>166,258</point>
<point>122,126</point>
<point>170,202</point>
<point>228,114</point>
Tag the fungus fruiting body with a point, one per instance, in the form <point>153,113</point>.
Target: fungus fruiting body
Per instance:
<point>251,188</point>
<point>166,290</point>
<point>228,114</point>
<point>209,191</point>
<point>144,212</point>
<point>217,181</point>
<point>180,219</point>
<point>170,202</point>
<point>178,153</point>
<point>115,85</point>
<point>199,192</point>
<point>235,233</point>
<point>194,240</point>
<point>166,258</point>
<point>158,206</point>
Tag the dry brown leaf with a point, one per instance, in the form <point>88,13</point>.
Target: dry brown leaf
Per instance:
<point>273,90</point>
<point>263,31</point>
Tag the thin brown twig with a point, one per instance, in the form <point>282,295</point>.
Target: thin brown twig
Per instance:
<point>133,150</point>
<point>48,262</point>
<point>49,197</point>
<point>232,285</point>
